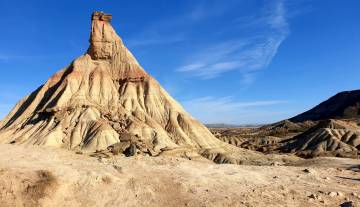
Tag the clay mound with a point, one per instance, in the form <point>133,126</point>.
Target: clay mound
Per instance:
<point>328,138</point>
<point>254,139</point>
<point>286,124</point>
<point>344,105</point>
<point>285,128</point>
<point>103,98</point>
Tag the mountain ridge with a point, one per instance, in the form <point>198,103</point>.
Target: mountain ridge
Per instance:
<point>345,104</point>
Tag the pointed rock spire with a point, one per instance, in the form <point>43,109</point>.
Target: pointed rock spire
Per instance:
<point>105,98</point>
<point>103,38</point>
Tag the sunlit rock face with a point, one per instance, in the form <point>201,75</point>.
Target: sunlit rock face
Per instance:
<point>103,39</point>
<point>103,98</point>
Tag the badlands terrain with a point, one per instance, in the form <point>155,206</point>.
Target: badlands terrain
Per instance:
<point>330,129</point>
<point>103,132</point>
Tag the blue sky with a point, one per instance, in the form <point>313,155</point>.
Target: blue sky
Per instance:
<point>233,61</point>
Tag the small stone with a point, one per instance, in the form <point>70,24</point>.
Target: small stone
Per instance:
<point>117,126</point>
<point>275,164</point>
<point>347,204</point>
<point>275,177</point>
<point>339,169</point>
<point>340,194</point>
<point>130,151</point>
<point>118,168</point>
<point>308,170</point>
<point>332,194</point>
<point>313,196</point>
<point>354,194</point>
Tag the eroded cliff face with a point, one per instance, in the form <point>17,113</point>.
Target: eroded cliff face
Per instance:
<point>331,137</point>
<point>102,98</point>
<point>103,39</point>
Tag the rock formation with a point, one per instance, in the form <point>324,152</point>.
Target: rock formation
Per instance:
<point>344,105</point>
<point>327,138</point>
<point>101,99</point>
<point>335,130</point>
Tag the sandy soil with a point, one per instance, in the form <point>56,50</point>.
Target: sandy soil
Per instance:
<point>39,176</point>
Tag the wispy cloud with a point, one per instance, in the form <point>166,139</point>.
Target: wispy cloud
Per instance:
<point>11,57</point>
<point>166,30</point>
<point>227,110</point>
<point>246,54</point>
<point>154,38</point>
<point>217,59</point>
<point>7,57</point>
<point>4,57</point>
<point>227,103</point>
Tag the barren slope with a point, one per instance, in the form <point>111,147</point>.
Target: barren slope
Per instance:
<point>329,137</point>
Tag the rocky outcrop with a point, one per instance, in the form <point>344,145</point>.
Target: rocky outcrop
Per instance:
<point>328,138</point>
<point>102,95</point>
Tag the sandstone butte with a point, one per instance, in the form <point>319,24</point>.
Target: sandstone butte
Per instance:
<point>105,98</point>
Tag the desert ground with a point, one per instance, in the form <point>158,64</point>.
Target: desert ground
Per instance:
<point>44,176</point>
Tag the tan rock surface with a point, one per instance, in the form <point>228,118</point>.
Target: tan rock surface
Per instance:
<point>99,96</point>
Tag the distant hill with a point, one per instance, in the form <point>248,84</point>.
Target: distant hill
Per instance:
<point>327,138</point>
<point>344,105</point>
<point>222,125</point>
<point>332,128</point>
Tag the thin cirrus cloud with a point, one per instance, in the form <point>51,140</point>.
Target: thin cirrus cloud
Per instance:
<point>9,57</point>
<point>4,57</point>
<point>210,62</point>
<point>177,28</point>
<point>246,54</point>
<point>227,110</point>
<point>18,57</point>
<point>153,38</point>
